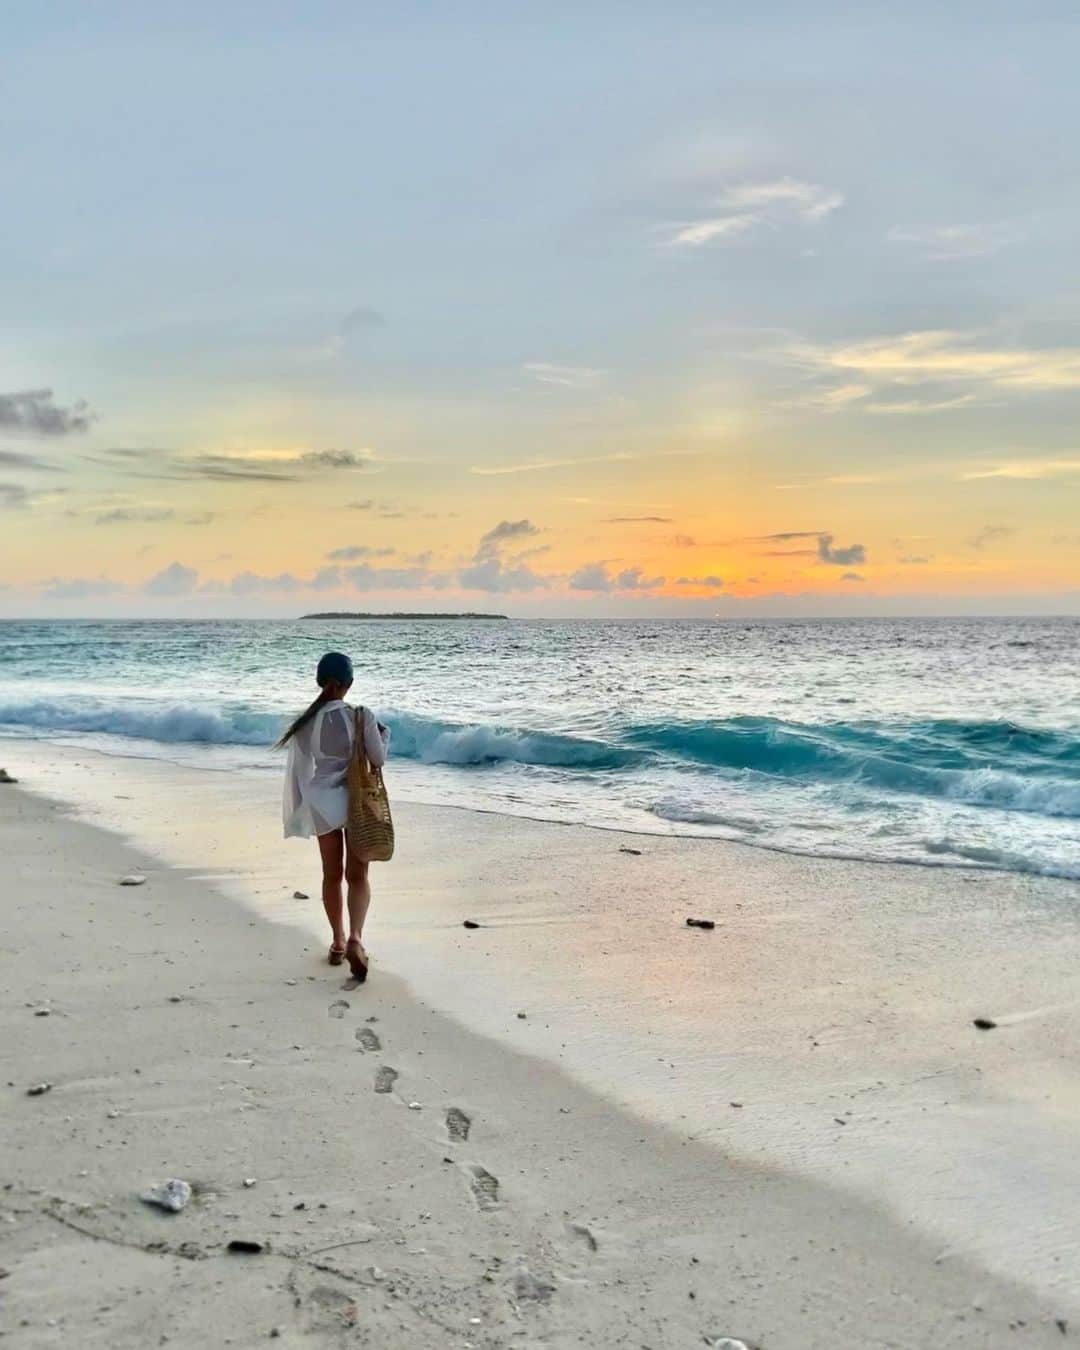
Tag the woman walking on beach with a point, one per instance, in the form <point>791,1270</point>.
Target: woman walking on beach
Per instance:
<point>321,742</point>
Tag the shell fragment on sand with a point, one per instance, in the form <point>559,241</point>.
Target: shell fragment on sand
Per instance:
<point>172,1195</point>
<point>39,1089</point>
<point>300,895</point>
<point>136,879</point>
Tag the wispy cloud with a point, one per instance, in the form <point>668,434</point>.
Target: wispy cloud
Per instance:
<point>148,515</point>
<point>638,520</point>
<point>1027,468</point>
<point>35,411</point>
<point>990,535</point>
<point>13,497</point>
<point>951,243</point>
<point>750,206</point>
<point>569,377</point>
<point>252,467</point>
<point>351,552</point>
<point>504,533</point>
<point>940,355</point>
<point>16,459</point>
<point>484,471</point>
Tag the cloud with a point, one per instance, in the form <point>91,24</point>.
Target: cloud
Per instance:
<point>951,243</point>
<point>537,465</point>
<point>148,515</point>
<point>251,583</point>
<point>79,588</point>
<point>639,520</point>
<point>353,551</point>
<point>260,467</point>
<point>852,576</point>
<point>494,575</point>
<point>909,407</point>
<point>34,411</point>
<point>839,557</point>
<point>364,577</point>
<point>362,317</point>
<point>684,541</point>
<point>15,459</point>
<point>937,356</point>
<point>634,579</point>
<point>176,579</point>
<point>915,559</point>
<point>712,582</point>
<point>13,497</point>
<point>749,206</point>
<point>1027,468</point>
<point>501,534</point>
<point>596,577</point>
<point>990,534</point>
<point>335,459</point>
<point>569,377</point>
<point>786,535</point>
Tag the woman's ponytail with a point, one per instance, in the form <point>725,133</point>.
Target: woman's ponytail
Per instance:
<point>304,718</point>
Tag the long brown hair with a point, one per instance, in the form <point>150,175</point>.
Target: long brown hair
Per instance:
<point>326,695</point>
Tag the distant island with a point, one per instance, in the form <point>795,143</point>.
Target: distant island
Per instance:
<point>342,614</point>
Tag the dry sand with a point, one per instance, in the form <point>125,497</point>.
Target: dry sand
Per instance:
<point>185,1037</point>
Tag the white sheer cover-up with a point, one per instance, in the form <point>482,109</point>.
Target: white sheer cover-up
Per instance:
<point>316,798</point>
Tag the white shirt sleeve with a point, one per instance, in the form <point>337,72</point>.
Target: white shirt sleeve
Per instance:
<point>376,740</point>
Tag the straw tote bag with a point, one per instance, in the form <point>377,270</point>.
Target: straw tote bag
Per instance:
<point>370,826</point>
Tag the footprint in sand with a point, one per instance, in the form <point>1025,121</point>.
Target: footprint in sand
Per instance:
<point>585,1235</point>
<point>485,1188</point>
<point>385,1078</point>
<point>367,1038</point>
<point>339,1008</point>
<point>457,1125</point>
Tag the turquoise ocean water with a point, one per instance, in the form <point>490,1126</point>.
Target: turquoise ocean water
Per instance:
<point>945,742</point>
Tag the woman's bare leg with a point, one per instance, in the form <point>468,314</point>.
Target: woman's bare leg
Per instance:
<point>332,852</point>
<point>359,893</point>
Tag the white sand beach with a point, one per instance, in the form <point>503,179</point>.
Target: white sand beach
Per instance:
<point>600,1127</point>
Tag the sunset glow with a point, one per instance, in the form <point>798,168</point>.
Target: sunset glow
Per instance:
<point>548,336</point>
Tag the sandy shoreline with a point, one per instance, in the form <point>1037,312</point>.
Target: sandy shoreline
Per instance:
<point>605,1230</point>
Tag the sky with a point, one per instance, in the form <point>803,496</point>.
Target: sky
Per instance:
<point>637,309</point>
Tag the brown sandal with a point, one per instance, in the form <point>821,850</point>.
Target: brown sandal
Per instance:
<point>335,955</point>
<point>354,954</point>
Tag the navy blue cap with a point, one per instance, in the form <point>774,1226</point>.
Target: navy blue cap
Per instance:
<point>334,666</point>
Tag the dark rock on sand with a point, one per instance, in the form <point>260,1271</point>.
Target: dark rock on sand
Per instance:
<point>634,852</point>
<point>5,777</point>
<point>300,895</point>
<point>985,1023</point>
<point>39,1089</point>
<point>470,923</point>
<point>246,1246</point>
<point>700,923</point>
